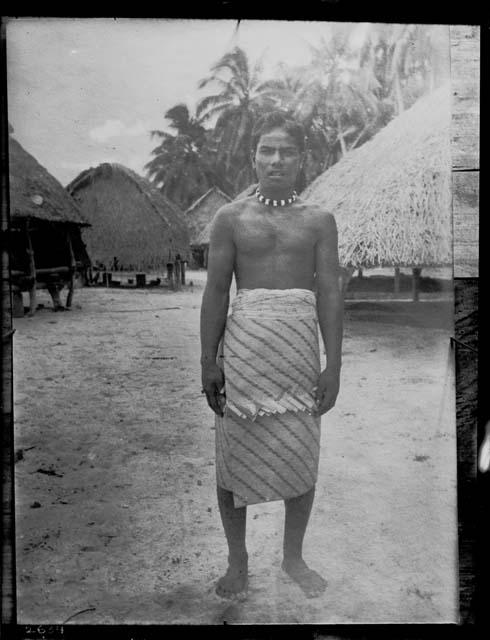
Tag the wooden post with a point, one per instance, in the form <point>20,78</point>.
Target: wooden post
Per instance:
<point>465,156</point>
<point>8,612</point>
<point>205,257</point>
<point>177,274</point>
<point>397,280</point>
<point>141,280</point>
<point>182,270</point>
<point>469,405</point>
<point>73,268</point>
<point>416,283</point>
<point>17,303</point>
<point>170,274</point>
<point>465,147</point>
<point>32,272</point>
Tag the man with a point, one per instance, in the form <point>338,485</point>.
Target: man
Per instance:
<point>261,366</point>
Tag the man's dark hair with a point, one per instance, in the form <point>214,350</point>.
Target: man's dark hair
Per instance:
<point>275,120</point>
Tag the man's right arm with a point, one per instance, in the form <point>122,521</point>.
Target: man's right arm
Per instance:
<point>214,308</point>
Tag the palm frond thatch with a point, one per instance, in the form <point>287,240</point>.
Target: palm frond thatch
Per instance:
<point>131,219</point>
<point>35,193</point>
<point>391,197</point>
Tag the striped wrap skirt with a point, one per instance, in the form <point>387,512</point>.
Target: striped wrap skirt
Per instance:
<point>268,441</point>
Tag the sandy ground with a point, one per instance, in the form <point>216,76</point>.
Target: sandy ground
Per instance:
<point>117,519</point>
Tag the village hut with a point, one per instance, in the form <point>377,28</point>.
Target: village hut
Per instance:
<point>199,217</point>
<point>249,191</point>
<point>391,197</point>
<point>132,221</point>
<point>46,247</point>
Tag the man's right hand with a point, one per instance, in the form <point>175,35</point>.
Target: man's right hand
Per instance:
<point>213,382</point>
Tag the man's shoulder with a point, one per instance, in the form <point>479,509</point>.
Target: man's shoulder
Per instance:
<point>315,211</point>
<point>231,210</point>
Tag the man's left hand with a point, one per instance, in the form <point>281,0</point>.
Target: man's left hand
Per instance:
<point>326,391</point>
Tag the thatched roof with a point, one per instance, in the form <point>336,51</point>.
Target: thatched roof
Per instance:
<point>200,214</point>
<point>35,193</point>
<point>391,197</point>
<point>131,219</point>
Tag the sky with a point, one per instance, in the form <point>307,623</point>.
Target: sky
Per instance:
<point>86,91</point>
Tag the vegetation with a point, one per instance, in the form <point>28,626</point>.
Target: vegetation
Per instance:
<point>353,86</point>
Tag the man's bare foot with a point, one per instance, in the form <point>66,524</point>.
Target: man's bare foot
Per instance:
<point>310,582</point>
<point>234,583</point>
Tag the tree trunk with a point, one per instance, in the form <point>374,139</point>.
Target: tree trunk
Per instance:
<point>341,137</point>
<point>416,283</point>
<point>353,145</point>
<point>398,94</point>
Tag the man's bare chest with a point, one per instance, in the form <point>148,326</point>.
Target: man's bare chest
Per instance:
<point>256,235</point>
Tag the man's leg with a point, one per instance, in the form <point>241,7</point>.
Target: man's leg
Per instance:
<point>54,292</point>
<point>297,515</point>
<point>234,523</point>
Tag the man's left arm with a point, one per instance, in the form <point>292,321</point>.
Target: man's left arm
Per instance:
<point>330,310</point>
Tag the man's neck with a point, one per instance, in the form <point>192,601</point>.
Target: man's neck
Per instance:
<point>276,194</point>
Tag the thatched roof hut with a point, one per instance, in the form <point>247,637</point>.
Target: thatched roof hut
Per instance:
<point>391,197</point>
<point>46,248</point>
<point>35,193</point>
<point>200,214</point>
<point>199,217</point>
<point>131,219</point>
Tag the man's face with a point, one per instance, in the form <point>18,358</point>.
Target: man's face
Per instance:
<point>277,160</point>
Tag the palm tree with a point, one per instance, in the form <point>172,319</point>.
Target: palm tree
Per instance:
<point>408,60</point>
<point>181,165</point>
<point>348,105</point>
<point>242,97</point>
<point>351,90</point>
<point>333,98</point>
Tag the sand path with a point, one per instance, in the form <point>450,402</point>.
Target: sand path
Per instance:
<point>116,508</point>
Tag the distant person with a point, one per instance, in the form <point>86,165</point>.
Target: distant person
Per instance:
<point>97,270</point>
<point>261,365</point>
<point>54,290</point>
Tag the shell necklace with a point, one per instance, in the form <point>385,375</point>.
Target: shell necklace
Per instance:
<point>275,203</point>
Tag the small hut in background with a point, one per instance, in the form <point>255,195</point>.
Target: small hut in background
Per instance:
<point>391,197</point>
<point>46,248</point>
<point>249,191</point>
<point>199,217</point>
<point>132,221</point>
